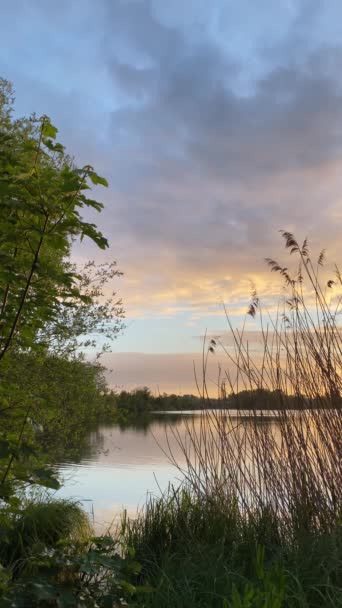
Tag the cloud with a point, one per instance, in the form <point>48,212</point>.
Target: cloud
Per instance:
<point>171,373</point>
<point>217,124</point>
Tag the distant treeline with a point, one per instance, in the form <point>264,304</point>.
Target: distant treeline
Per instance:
<point>141,402</point>
<point>70,397</point>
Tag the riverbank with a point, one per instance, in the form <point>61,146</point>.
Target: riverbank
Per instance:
<point>184,550</point>
<point>197,551</point>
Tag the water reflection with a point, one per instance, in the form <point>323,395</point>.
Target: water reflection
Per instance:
<point>120,464</point>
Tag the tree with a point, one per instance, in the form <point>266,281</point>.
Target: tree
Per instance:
<point>45,301</point>
<point>42,195</point>
<point>91,321</point>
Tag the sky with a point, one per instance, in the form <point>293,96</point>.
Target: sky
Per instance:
<point>217,123</point>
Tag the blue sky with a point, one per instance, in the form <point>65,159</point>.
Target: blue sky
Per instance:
<point>216,123</point>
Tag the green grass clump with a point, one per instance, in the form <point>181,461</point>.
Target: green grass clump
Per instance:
<point>36,524</point>
<point>197,552</point>
<point>49,557</point>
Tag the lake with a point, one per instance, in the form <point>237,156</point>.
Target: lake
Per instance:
<point>120,466</point>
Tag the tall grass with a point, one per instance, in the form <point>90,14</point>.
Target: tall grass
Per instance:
<point>197,552</point>
<point>49,557</point>
<point>255,488</point>
<point>36,524</point>
<point>295,472</point>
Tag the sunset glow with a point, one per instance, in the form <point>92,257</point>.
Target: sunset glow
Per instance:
<point>216,124</point>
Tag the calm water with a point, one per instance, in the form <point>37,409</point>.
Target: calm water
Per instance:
<point>119,467</point>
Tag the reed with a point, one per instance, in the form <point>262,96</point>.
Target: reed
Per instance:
<point>257,520</point>
<point>195,551</point>
<point>292,469</point>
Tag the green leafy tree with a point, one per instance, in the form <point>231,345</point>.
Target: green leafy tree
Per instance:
<point>42,195</point>
<point>46,303</point>
<point>92,319</point>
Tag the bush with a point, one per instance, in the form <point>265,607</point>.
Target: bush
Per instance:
<point>49,558</point>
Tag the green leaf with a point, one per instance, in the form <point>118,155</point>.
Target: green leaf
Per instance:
<point>90,231</point>
<point>96,179</point>
<point>53,147</point>
<point>44,477</point>
<point>48,130</point>
<point>128,587</point>
<point>5,450</point>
